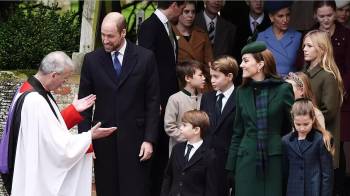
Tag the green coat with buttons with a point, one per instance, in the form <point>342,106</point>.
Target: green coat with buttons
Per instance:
<point>242,153</point>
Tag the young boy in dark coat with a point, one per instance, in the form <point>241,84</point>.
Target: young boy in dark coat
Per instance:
<point>191,170</point>
<point>220,106</point>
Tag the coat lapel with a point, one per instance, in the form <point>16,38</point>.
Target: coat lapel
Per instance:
<point>306,146</point>
<point>287,39</point>
<point>293,142</point>
<point>186,46</point>
<point>107,63</point>
<point>201,21</point>
<point>294,146</point>
<point>308,141</point>
<point>211,100</point>
<point>196,40</point>
<point>272,94</point>
<point>129,62</point>
<point>165,33</point>
<point>249,103</point>
<point>273,43</point>
<point>229,106</point>
<point>219,34</point>
<point>180,155</point>
<point>313,72</point>
<point>198,155</point>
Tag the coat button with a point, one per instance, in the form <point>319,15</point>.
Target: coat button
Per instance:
<point>178,194</point>
<point>301,167</point>
<point>183,173</point>
<point>180,184</point>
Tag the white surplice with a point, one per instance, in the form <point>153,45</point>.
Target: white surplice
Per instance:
<point>50,161</point>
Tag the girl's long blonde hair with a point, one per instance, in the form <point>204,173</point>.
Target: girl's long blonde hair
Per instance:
<point>304,106</point>
<point>325,57</point>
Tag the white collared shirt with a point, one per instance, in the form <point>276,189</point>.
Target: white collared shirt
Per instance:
<point>163,19</point>
<point>208,20</point>
<point>226,94</point>
<point>194,149</point>
<point>258,20</point>
<point>121,53</point>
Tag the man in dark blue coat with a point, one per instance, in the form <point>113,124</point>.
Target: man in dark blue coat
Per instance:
<point>124,77</point>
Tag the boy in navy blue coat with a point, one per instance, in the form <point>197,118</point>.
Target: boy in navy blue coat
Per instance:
<point>220,106</point>
<point>191,170</point>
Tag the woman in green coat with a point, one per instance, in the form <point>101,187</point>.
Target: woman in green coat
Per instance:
<point>326,82</point>
<point>263,103</point>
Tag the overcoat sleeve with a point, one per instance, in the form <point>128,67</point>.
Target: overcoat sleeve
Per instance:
<point>330,99</point>
<point>237,135</point>
<point>171,116</point>
<point>152,101</point>
<point>326,170</point>
<point>85,89</point>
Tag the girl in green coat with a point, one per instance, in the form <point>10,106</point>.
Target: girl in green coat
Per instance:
<point>263,103</point>
<point>326,82</point>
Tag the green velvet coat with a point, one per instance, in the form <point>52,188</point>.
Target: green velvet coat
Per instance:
<point>242,153</point>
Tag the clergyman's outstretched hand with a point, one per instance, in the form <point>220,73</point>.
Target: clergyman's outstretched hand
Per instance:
<point>84,103</point>
<point>98,132</point>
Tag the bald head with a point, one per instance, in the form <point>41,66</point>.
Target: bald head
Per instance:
<point>113,31</point>
<point>116,19</point>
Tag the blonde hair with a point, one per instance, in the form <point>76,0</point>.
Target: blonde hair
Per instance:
<point>325,56</point>
<point>225,64</point>
<point>304,106</point>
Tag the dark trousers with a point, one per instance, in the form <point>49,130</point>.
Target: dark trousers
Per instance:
<point>160,160</point>
<point>339,174</point>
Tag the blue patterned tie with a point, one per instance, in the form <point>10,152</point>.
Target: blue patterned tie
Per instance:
<point>116,64</point>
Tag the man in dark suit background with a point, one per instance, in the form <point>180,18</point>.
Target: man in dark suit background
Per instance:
<point>156,34</point>
<point>252,22</point>
<point>124,77</point>
<point>221,32</point>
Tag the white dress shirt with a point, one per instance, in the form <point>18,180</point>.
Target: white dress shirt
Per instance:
<point>258,20</point>
<point>194,149</point>
<point>120,54</point>
<point>226,94</point>
<point>164,20</point>
<point>208,20</point>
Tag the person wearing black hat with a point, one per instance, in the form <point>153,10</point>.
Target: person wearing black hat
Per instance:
<point>280,39</point>
<point>263,102</point>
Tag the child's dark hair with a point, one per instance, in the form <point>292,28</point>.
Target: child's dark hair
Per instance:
<point>304,106</point>
<point>225,64</point>
<point>187,68</point>
<point>197,118</point>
